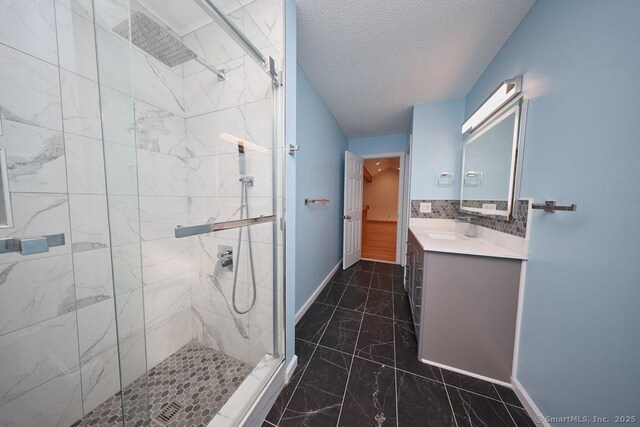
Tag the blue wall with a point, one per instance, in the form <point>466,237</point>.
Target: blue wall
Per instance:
<point>437,147</point>
<point>291,91</point>
<point>580,340</point>
<point>393,143</point>
<point>320,171</point>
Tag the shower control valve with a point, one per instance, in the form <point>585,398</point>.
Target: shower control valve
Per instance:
<point>225,257</point>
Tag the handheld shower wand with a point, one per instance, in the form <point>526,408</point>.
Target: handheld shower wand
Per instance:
<point>245,182</point>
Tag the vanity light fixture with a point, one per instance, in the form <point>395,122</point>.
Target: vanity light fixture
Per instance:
<point>241,142</point>
<point>507,90</point>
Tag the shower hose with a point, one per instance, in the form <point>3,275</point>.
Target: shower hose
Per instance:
<point>244,209</point>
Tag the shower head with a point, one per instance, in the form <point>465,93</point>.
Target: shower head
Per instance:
<point>158,42</point>
<point>155,40</point>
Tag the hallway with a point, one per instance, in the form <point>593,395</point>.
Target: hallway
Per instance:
<point>379,240</point>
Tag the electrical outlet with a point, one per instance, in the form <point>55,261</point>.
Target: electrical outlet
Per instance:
<point>489,206</point>
<point>425,207</point>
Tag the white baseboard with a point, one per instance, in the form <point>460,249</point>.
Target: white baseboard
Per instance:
<point>314,295</point>
<point>528,403</point>
<point>291,367</point>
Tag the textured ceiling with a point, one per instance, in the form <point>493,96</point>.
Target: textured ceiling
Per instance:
<point>372,60</point>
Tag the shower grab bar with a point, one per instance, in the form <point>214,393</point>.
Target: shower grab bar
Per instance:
<point>193,230</point>
<point>214,12</point>
<point>36,245</point>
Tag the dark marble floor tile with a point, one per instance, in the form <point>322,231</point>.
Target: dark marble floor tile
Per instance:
<point>280,404</point>
<point>383,282</point>
<point>354,298</point>
<point>370,399</point>
<point>331,293</point>
<point>380,303</point>
<point>314,321</point>
<point>407,353</point>
<point>339,339</point>
<point>472,409</point>
<point>324,417</point>
<point>401,309</point>
<point>304,350</point>
<point>520,417</point>
<point>375,341</point>
<point>361,278</point>
<point>343,276</point>
<point>365,265</point>
<point>317,399</point>
<point>507,395</point>
<point>346,319</point>
<point>398,270</point>
<point>266,423</point>
<point>383,267</point>
<point>472,384</point>
<point>422,402</point>
<point>398,284</point>
<point>342,332</point>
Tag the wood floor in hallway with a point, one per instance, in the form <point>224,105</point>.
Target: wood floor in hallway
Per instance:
<point>379,241</point>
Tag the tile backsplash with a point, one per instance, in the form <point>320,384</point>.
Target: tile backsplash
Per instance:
<point>440,209</point>
<point>450,209</point>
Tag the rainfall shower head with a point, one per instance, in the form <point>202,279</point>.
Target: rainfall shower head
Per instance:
<point>155,40</point>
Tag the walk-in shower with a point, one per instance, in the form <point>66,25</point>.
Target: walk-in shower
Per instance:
<point>145,136</point>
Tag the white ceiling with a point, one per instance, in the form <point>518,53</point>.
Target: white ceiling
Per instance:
<point>376,166</point>
<point>372,60</point>
<point>186,16</point>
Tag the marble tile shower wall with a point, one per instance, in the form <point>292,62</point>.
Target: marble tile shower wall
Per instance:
<point>51,357</point>
<point>58,353</point>
<point>241,105</point>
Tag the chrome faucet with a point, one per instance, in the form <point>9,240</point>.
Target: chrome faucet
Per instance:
<point>471,229</point>
<point>225,257</point>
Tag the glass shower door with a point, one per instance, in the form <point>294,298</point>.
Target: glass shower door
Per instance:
<point>189,116</point>
<point>119,121</point>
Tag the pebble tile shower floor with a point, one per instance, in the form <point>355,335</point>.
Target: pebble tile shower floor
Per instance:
<point>198,377</point>
<point>358,365</point>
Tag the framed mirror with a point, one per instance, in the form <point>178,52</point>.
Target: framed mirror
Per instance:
<point>489,165</point>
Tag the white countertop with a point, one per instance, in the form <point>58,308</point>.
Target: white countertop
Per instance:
<point>460,244</point>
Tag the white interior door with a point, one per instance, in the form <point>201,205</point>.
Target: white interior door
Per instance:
<point>352,217</point>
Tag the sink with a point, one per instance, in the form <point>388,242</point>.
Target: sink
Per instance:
<point>446,236</point>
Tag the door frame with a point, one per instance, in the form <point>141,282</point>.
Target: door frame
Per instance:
<point>402,201</point>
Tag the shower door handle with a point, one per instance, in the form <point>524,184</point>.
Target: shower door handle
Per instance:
<point>194,230</point>
<point>36,245</point>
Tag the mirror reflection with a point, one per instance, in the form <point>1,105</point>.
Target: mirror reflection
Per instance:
<point>488,166</point>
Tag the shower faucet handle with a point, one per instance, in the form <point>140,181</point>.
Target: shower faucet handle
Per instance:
<point>224,254</point>
<point>225,257</point>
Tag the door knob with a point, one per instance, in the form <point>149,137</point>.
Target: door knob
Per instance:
<point>346,217</point>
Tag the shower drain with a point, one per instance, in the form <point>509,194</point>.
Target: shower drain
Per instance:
<point>168,412</point>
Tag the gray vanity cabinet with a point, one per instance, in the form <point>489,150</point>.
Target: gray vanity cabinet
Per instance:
<point>464,309</point>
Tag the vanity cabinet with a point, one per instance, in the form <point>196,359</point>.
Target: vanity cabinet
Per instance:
<point>464,309</point>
